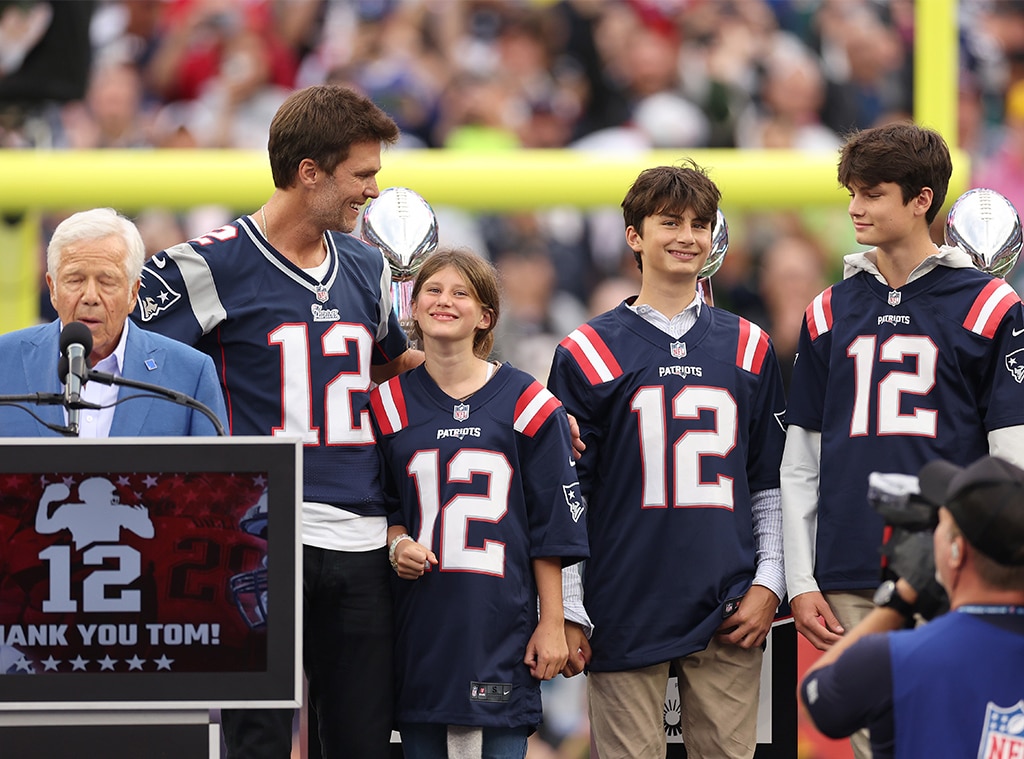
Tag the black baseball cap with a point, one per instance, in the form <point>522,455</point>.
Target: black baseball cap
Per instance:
<point>987,501</point>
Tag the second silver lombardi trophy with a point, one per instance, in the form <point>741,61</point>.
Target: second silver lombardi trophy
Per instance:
<point>719,247</point>
<point>986,226</point>
<point>403,225</point>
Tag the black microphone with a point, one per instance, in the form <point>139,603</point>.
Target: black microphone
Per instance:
<point>73,368</point>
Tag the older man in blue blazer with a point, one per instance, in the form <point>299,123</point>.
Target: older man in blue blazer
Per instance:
<point>93,264</point>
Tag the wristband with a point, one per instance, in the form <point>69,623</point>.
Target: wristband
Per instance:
<point>391,549</point>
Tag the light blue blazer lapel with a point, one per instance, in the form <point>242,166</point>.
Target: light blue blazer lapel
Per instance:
<point>39,354</point>
<point>130,417</point>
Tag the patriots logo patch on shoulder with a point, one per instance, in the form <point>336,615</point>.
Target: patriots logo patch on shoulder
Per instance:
<point>155,295</point>
<point>574,500</point>
<point>1015,364</point>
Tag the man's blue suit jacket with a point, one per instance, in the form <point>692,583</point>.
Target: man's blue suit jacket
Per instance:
<point>28,364</point>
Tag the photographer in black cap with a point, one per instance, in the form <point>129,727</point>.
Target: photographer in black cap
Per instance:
<point>954,686</point>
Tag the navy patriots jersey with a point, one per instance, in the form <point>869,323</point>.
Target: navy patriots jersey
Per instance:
<point>892,379</point>
<point>489,485</point>
<point>293,354</point>
<point>679,433</point>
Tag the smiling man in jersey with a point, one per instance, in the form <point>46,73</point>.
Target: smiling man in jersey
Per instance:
<point>296,313</point>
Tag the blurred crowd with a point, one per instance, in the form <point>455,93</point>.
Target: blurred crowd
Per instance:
<point>497,75</point>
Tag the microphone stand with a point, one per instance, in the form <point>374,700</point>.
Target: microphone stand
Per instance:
<point>158,391</point>
<point>46,399</point>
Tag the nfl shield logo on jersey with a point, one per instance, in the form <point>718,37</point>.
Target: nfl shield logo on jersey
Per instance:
<point>322,293</point>
<point>1004,731</point>
<point>895,296</point>
<point>678,349</point>
<point>461,412</point>
<point>1015,364</point>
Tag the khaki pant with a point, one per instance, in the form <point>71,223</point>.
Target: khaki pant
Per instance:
<point>851,606</point>
<point>718,691</point>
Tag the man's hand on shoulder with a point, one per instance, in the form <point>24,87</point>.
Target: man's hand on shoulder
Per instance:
<point>578,446</point>
<point>381,373</point>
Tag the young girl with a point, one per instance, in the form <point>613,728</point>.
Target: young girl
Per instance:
<point>478,456</point>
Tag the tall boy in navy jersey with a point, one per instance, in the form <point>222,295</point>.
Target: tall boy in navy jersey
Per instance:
<point>679,405</point>
<point>298,321</point>
<point>915,355</point>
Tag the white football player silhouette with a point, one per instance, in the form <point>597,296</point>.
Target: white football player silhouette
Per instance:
<point>98,519</point>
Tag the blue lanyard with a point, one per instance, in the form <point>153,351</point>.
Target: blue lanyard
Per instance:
<point>1002,610</point>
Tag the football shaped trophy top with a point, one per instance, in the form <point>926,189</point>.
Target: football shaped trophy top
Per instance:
<point>403,225</point>
<point>719,247</point>
<point>986,226</point>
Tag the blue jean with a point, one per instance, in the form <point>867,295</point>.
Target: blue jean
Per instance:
<point>348,657</point>
<point>427,741</point>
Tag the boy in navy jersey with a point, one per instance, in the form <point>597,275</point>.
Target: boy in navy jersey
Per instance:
<point>955,686</point>
<point>298,320</point>
<point>679,405</point>
<point>913,356</point>
<point>479,460</point>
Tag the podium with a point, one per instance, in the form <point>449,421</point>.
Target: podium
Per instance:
<point>144,582</point>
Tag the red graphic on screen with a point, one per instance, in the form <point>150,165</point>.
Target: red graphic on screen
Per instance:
<point>133,572</point>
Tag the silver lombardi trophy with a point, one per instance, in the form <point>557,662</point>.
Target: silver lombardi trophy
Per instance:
<point>986,226</point>
<point>719,246</point>
<point>403,225</point>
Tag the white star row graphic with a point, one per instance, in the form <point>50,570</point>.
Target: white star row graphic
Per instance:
<point>78,664</point>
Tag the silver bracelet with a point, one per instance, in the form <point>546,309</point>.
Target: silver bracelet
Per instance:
<point>394,544</point>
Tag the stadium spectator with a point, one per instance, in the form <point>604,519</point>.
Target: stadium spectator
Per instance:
<point>791,271</point>
<point>45,60</point>
<point>112,114</point>
<point>787,111</point>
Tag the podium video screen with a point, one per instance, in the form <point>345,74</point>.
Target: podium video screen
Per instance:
<point>149,573</point>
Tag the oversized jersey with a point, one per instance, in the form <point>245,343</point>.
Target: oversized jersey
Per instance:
<point>488,484</point>
<point>293,354</point>
<point>892,379</point>
<point>679,433</point>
